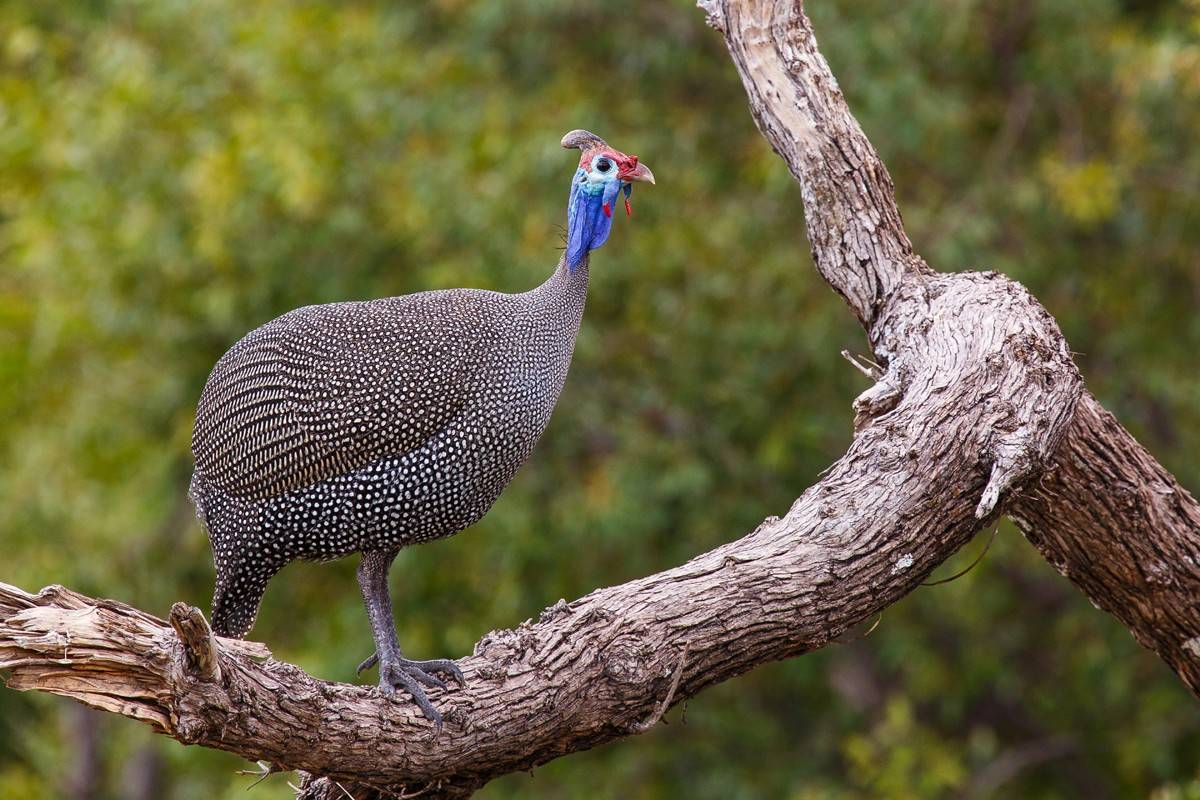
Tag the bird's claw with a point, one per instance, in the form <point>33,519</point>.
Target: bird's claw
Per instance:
<point>367,663</point>
<point>410,675</point>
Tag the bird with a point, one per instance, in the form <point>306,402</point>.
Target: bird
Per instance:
<point>368,426</point>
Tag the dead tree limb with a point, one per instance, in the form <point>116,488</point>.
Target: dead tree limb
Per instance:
<point>977,408</point>
<point>1122,529</point>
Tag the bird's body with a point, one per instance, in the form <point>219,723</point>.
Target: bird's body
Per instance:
<point>419,409</point>
<point>369,426</point>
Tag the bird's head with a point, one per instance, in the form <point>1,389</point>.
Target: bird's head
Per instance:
<point>604,172</point>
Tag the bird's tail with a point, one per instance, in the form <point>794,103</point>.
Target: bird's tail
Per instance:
<point>243,563</point>
<point>237,597</point>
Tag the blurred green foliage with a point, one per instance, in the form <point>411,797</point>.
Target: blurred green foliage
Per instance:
<point>175,172</point>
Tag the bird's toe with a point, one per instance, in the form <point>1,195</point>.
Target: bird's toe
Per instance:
<point>409,675</point>
<point>367,663</point>
<point>441,666</point>
<point>420,675</point>
<point>403,677</point>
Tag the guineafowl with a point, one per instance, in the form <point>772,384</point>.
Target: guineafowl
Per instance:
<point>365,427</point>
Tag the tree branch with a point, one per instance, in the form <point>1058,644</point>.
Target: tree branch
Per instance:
<point>858,241</point>
<point>1122,529</point>
<point>976,401</point>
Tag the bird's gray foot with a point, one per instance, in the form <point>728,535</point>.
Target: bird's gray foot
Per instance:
<point>396,671</point>
<point>410,675</point>
<point>437,665</point>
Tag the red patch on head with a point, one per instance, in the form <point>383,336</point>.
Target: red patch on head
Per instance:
<point>625,163</point>
<point>627,166</point>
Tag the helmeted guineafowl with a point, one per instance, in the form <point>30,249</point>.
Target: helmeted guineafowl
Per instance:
<point>369,426</point>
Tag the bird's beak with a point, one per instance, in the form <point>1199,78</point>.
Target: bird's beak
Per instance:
<point>640,174</point>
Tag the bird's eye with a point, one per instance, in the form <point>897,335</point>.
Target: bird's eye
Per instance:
<point>604,165</point>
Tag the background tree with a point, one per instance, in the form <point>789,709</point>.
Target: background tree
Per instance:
<point>175,174</point>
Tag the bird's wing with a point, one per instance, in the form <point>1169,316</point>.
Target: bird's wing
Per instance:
<point>324,390</point>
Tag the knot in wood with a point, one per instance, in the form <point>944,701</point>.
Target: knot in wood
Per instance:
<point>191,730</point>
<point>628,664</point>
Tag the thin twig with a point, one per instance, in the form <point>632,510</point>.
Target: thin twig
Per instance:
<point>864,365</point>
<point>650,722</point>
<point>970,566</point>
<point>264,771</point>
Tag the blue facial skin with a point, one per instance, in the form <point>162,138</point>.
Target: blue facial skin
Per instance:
<point>587,224</point>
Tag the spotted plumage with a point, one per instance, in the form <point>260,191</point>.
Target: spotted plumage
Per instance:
<point>369,426</point>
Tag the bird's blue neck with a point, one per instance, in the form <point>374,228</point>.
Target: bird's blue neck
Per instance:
<point>589,216</point>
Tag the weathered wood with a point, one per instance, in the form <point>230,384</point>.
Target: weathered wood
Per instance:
<point>1102,510</point>
<point>858,241</point>
<point>202,658</point>
<point>977,407</point>
<point>1122,529</point>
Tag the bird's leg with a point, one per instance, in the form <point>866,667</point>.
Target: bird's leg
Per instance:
<point>394,669</point>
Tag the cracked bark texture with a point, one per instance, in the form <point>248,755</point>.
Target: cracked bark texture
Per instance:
<point>1122,529</point>
<point>977,409</point>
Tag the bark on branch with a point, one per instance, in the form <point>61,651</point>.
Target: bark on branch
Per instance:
<point>978,409</point>
<point>1122,529</point>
